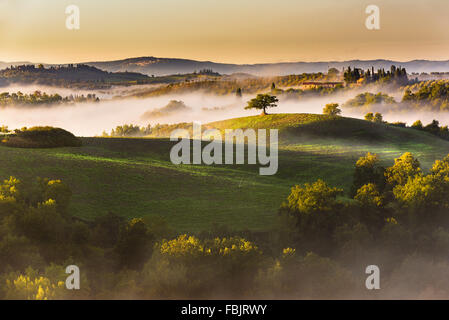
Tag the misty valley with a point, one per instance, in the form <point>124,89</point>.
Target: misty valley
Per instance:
<point>128,175</point>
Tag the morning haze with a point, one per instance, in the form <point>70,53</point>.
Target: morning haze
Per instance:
<point>225,31</point>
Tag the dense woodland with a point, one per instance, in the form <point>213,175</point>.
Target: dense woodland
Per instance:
<point>42,98</point>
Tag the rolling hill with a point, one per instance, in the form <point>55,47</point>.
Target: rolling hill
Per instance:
<point>134,177</point>
<point>87,76</point>
<point>63,75</point>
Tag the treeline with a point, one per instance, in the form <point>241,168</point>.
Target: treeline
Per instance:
<point>129,130</point>
<point>396,218</point>
<point>433,127</point>
<point>42,98</point>
<point>156,131</point>
<point>208,72</point>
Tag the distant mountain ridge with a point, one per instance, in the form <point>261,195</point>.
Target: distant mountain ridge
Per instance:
<point>167,66</point>
<point>164,66</point>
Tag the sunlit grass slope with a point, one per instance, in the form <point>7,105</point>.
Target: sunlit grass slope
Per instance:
<point>135,178</point>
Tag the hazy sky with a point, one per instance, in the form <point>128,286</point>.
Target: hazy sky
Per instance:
<point>236,31</point>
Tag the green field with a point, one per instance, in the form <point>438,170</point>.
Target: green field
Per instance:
<point>135,178</point>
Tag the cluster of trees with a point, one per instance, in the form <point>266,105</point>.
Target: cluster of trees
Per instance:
<point>38,239</point>
<point>42,98</point>
<point>130,259</point>
<point>433,94</point>
<point>173,107</point>
<point>157,130</point>
<point>376,117</point>
<point>430,95</point>
<point>332,109</point>
<point>396,75</point>
<point>433,128</point>
<point>367,99</point>
<point>207,72</point>
<point>129,130</point>
<point>396,218</point>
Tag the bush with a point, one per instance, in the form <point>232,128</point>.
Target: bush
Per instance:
<point>332,109</point>
<point>41,137</point>
<point>190,267</point>
<point>313,209</point>
<point>368,170</point>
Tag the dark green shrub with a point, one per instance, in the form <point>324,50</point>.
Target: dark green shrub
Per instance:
<point>41,137</point>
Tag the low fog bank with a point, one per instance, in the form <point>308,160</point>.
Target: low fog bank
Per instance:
<point>90,119</point>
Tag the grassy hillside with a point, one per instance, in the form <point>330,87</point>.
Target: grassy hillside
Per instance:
<point>297,127</point>
<point>135,178</point>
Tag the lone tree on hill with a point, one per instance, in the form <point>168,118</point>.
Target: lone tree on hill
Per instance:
<point>262,102</point>
<point>331,109</point>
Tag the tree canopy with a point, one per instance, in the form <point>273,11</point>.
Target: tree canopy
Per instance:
<point>332,109</point>
<point>262,102</point>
